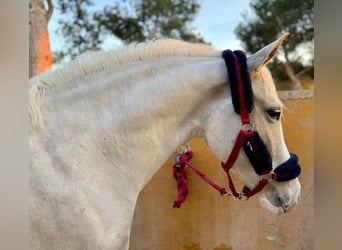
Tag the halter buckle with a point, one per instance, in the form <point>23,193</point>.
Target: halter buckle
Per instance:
<point>267,177</point>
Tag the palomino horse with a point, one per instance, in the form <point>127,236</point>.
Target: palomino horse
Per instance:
<point>104,124</point>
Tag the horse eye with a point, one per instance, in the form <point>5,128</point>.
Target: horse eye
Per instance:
<point>274,113</point>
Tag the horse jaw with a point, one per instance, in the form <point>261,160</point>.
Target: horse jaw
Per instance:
<point>276,197</point>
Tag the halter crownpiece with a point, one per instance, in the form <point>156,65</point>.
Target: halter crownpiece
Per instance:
<point>239,81</point>
<point>248,139</point>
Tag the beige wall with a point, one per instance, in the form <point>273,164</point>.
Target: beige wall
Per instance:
<point>209,221</point>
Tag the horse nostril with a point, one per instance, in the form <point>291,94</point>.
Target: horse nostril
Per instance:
<point>280,202</point>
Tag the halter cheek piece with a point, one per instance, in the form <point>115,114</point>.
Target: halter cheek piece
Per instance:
<point>248,139</point>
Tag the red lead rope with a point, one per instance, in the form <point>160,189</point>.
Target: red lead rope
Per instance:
<point>184,161</point>
<point>180,175</point>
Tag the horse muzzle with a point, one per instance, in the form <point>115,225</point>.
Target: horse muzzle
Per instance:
<point>280,197</point>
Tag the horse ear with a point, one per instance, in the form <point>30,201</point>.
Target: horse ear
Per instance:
<point>258,60</point>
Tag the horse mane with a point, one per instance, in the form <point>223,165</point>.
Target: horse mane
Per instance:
<point>94,61</point>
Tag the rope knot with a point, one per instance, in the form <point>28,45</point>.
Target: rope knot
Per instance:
<point>185,157</point>
<point>182,158</point>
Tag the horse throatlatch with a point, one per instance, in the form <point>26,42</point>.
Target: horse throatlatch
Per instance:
<point>248,139</point>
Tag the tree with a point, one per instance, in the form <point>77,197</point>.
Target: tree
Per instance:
<point>273,18</point>
<point>39,44</point>
<point>130,21</point>
<point>77,27</point>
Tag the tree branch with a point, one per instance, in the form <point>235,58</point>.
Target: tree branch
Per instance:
<point>302,71</point>
<point>50,10</point>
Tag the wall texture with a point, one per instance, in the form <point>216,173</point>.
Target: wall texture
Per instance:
<point>209,221</point>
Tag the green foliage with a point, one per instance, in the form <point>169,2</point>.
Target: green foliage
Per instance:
<point>280,75</point>
<point>77,27</point>
<point>275,17</point>
<point>130,21</point>
<point>272,18</point>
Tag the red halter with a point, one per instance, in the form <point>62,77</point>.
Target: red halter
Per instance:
<point>247,138</point>
<point>246,131</point>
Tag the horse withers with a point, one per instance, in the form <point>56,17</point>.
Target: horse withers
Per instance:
<point>102,126</point>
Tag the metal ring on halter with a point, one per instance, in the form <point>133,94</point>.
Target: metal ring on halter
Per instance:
<point>247,126</point>
<point>267,177</point>
<point>241,197</point>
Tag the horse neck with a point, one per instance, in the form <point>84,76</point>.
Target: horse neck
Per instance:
<point>166,109</point>
<point>136,115</point>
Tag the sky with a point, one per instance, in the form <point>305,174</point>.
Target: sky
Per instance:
<point>215,22</point>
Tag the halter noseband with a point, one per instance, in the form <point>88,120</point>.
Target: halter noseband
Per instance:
<point>248,139</point>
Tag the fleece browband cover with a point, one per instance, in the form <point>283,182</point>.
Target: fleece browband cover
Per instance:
<point>229,59</point>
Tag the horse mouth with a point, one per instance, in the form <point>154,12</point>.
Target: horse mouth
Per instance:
<point>276,205</point>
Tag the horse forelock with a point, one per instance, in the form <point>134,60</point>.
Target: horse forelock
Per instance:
<point>94,61</point>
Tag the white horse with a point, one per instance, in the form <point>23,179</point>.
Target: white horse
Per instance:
<point>104,124</point>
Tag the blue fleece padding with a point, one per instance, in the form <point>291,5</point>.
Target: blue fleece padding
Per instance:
<point>228,57</point>
<point>289,169</point>
<point>258,154</point>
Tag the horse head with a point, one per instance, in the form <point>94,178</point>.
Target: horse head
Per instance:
<point>277,196</point>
